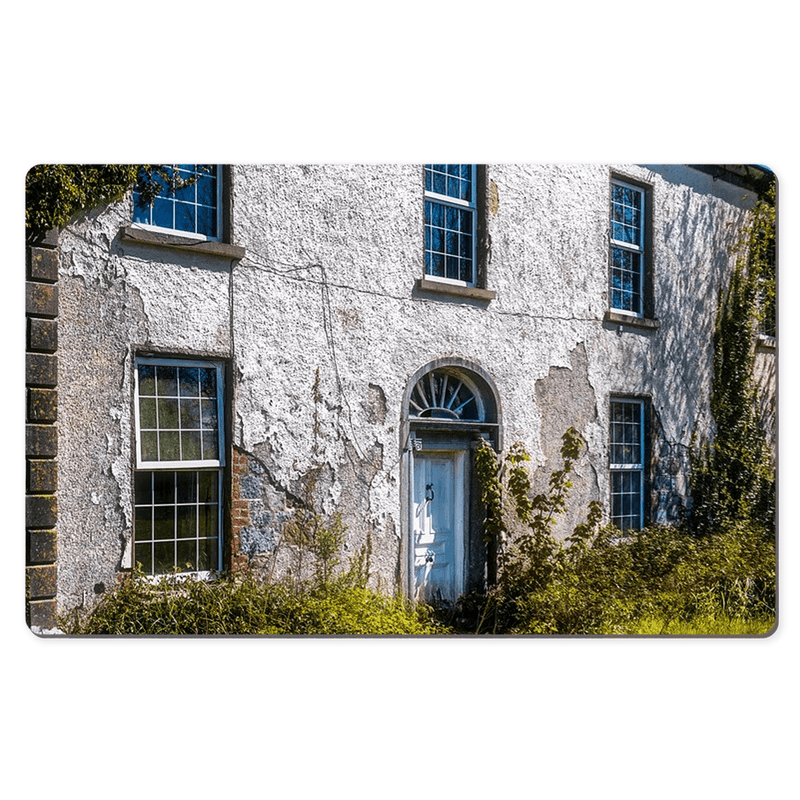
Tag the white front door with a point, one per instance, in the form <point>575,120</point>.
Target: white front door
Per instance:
<point>438,507</point>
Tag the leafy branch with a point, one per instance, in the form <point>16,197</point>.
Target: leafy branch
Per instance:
<point>55,193</point>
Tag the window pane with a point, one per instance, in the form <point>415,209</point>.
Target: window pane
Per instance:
<point>208,383</point>
<point>144,556</point>
<point>189,381</point>
<point>185,217</point>
<point>187,556</point>
<point>143,490</point>
<point>186,487</point>
<point>169,446</point>
<point>147,380</point>
<point>186,521</point>
<point>190,444</point>
<point>167,414</point>
<point>162,213</point>
<point>209,414</point>
<point>164,557</point>
<point>186,194</point>
<point>164,522</point>
<point>451,243</point>
<point>163,487</point>
<point>207,482</point>
<point>210,447</point>
<point>451,267</point>
<point>141,210</point>
<point>147,413</point>
<point>207,520</point>
<point>208,557</point>
<point>452,218</point>
<point>206,220</point>
<point>437,240</point>
<point>143,524</point>
<point>207,188</point>
<point>167,381</point>
<point>149,446</point>
<point>190,413</point>
<point>434,264</point>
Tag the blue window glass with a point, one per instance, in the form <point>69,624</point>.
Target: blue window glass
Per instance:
<point>450,222</point>
<point>626,461</point>
<point>177,511</point>
<point>186,200</point>
<point>626,256</point>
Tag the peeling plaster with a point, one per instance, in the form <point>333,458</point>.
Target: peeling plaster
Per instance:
<point>326,287</point>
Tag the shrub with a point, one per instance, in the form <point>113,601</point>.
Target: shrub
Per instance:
<point>600,580</point>
<point>328,600</point>
<point>233,605</point>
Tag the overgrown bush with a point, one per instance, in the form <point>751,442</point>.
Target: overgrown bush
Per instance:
<point>318,598</point>
<point>601,580</point>
<point>242,605</point>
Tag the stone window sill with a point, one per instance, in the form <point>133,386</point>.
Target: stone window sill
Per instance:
<point>438,287</point>
<point>178,242</point>
<point>633,322</point>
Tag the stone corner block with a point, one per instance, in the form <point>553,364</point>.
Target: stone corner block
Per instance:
<point>42,405</point>
<point>41,510</point>
<point>41,615</point>
<point>41,441</point>
<point>41,369</point>
<point>42,334</point>
<point>41,299</point>
<point>41,581</point>
<point>42,547</point>
<point>43,264</point>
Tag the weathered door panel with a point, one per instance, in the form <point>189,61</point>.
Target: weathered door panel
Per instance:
<point>438,526</point>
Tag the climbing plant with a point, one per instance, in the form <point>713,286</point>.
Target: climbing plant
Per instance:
<point>733,477</point>
<point>54,193</point>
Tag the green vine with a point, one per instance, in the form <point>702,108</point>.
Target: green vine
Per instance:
<point>55,193</point>
<point>733,477</point>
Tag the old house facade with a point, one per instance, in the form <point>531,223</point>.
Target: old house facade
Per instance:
<point>337,337</point>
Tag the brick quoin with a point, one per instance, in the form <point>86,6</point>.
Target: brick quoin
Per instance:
<point>240,511</point>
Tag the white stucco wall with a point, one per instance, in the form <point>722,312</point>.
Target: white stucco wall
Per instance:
<point>327,288</point>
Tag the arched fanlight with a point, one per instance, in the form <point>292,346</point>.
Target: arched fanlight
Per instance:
<point>445,394</point>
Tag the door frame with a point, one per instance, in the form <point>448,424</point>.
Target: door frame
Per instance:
<point>431,434</point>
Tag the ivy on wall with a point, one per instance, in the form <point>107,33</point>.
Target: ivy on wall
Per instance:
<point>733,476</point>
<point>55,193</point>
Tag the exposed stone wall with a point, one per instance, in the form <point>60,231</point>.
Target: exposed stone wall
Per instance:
<point>41,436</point>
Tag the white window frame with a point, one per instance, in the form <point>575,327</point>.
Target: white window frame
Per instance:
<point>456,202</point>
<point>631,467</point>
<point>200,237</point>
<point>638,248</point>
<point>200,465</point>
<point>196,464</point>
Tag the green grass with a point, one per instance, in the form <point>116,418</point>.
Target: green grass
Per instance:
<point>700,626</point>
